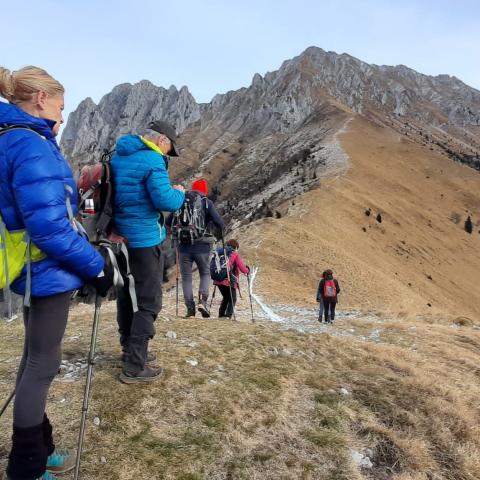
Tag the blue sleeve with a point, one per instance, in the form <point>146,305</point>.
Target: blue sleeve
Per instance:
<point>163,196</point>
<point>41,198</point>
<point>214,216</point>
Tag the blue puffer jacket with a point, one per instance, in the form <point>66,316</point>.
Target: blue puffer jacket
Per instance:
<point>142,191</point>
<point>33,176</point>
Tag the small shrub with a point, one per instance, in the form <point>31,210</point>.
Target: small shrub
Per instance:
<point>469,225</point>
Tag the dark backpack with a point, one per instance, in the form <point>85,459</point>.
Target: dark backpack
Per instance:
<point>219,268</point>
<point>189,222</point>
<point>95,190</point>
<point>96,194</point>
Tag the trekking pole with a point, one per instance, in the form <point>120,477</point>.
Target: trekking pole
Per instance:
<point>213,296</point>
<point>228,276</point>
<point>86,396</point>
<point>250,295</point>
<point>177,275</point>
<point>7,403</point>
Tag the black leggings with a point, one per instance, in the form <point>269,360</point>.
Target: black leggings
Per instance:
<point>329,309</point>
<point>45,322</point>
<point>227,306</point>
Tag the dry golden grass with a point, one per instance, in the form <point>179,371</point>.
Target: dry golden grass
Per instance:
<point>265,404</point>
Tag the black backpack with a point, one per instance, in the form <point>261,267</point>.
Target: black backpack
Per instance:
<point>218,266</point>
<point>189,222</point>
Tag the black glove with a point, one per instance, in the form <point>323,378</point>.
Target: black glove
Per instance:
<point>102,284</point>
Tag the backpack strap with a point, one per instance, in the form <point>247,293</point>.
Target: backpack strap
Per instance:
<point>131,280</point>
<point>28,281</point>
<point>6,290</point>
<point>8,128</point>
<point>106,214</point>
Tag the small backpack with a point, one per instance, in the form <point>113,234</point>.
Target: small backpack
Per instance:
<point>189,222</point>
<point>219,268</point>
<point>329,289</point>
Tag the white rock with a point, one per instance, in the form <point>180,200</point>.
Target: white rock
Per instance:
<point>96,421</point>
<point>344,391</point>
<point>103,460</point>
<point>171,334</point>
<point>360,459</point>
<point>193,362</point>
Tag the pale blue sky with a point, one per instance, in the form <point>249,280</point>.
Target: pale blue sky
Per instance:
<point>213,46</point>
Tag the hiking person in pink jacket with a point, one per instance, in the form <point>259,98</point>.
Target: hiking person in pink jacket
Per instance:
<point>235,266</point>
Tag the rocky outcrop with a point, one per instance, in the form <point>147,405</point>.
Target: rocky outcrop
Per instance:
<point>128,108</point>
<point>262,145</point>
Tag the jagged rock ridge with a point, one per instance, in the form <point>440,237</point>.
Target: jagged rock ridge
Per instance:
<point>262,145</point>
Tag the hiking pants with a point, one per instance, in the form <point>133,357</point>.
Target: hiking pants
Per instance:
<point>202,261</point>
<point>45,321</point>
<point>136,329</point>
<point>329,306</point>
<point>227,305</point>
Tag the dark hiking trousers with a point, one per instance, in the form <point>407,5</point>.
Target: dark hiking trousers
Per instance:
<point>45,321</point>
<point>202,261</point>
<point>136,329</point>
<point>226,307</point>
<point>329,306</point>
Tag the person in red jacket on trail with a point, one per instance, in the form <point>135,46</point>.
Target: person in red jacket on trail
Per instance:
<point>235,266</point>
<point>329,290</point>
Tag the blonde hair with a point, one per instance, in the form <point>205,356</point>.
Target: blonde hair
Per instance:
<point>21,85</point>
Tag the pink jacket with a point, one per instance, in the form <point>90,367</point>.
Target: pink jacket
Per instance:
<point>236,265</point>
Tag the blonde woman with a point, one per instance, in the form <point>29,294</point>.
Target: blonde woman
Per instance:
<point>36,184</point>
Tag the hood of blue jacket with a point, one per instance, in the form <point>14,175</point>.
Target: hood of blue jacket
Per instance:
<point>129,144</point>
<point>12,115</point>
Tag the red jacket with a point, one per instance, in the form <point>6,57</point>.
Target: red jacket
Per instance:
<point>235,265</point>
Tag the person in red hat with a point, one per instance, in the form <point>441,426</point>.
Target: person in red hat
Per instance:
<point>191,230</point>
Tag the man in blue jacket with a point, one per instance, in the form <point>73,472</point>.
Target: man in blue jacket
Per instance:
<point>142,192</point>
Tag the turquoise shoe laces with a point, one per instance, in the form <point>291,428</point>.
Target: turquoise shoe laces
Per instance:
<point>57,458</point>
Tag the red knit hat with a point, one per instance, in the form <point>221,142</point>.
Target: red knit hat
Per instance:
<point>200,186</point>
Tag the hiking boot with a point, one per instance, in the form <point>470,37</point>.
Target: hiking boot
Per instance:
<point>146,375</point>
<point>190,313</point>
<point>203,308</point>
<point>61,460</point>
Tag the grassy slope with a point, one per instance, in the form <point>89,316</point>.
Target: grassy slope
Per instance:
<point>415,257</point>
<point>265,404</point>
